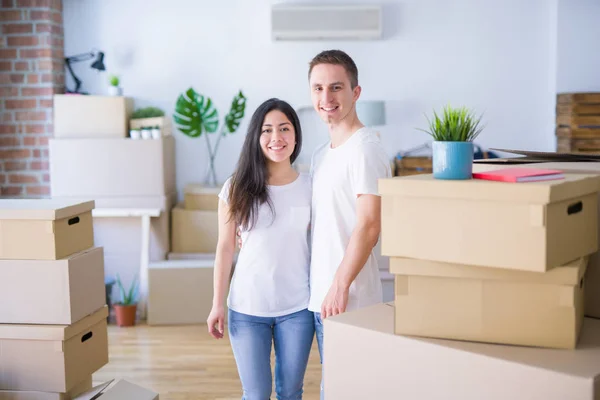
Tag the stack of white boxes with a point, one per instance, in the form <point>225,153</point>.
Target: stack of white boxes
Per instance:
<point>93,157</point>
<point>53,318</point>
<point>487,265</point>
<point>181,288</point>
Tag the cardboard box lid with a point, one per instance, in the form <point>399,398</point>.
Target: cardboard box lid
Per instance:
<point>196,188</point>
<point>184,263</point>
<point>12,263</point>
<point>51,332</point>
<point>569,274</point>
<point>43,209</point>
<point>573,185</point>
<point>122,390</point>
<point>583,362</point>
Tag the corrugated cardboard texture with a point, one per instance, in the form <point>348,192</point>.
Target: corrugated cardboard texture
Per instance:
<point>180,292</point>
<point>515,231</point>
<point>91,116</point>
<point>391,367</point>
<point>42,361</point>
<point>194,231</point>
<point>52,292</point>
<point>31,395</point>
<point>112,167</point>
<point>46,239</point>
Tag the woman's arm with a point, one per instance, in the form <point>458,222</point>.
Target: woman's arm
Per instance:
<point>223,263</point>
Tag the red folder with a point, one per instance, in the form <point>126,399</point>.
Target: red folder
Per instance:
<point>520,175</point>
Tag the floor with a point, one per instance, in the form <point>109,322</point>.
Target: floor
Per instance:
<point>183,363</point>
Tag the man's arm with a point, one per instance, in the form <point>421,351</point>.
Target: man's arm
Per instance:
<point>364,237</point>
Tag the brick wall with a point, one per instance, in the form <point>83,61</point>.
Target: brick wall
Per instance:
<point>31,71</point>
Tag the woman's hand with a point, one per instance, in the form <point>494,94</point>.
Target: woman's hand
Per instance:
<point>216,321</point>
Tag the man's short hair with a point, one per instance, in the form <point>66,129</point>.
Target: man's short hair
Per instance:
<point>336,57</point>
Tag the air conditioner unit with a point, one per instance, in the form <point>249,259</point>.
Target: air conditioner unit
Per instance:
<point>326,22</point>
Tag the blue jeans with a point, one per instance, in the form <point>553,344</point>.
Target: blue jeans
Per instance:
<point>319,331</point>
<point>251,339</point>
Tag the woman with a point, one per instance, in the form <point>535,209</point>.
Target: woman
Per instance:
<point>269,291</point>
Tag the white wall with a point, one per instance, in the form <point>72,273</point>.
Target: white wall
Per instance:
<point>498,57</point>
<point>578,55</point>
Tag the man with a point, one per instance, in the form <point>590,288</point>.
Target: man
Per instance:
<point>346,207</point>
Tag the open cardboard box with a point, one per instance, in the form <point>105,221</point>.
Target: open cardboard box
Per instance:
<point>121,390</point>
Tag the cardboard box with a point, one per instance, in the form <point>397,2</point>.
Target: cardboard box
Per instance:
<point>82,387</point>
<point>59,292</point>
<point>77,116</point>
<point>112,167</point>
<point>463,302</point>
<point>180,291</point>
<point>121,390</point>
<point>390,367</point>
<point>199,197</point>
<point>526,226</point>
<point>52,358</point>
<point>44,229</point>
<point>163,123</point>
<point>194,231</point>
<point>592,276</point>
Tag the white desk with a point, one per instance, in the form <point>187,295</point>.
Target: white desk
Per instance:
<point>145,214</point>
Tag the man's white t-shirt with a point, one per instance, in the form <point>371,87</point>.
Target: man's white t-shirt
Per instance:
<point>339,175</point>
<point>271,276</point>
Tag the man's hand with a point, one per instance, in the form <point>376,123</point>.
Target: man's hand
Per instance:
<point>238,233</point>
<point>336,301</point>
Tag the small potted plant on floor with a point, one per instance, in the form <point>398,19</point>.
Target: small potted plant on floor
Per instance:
<point>125,310</point>
<point>452,148</point>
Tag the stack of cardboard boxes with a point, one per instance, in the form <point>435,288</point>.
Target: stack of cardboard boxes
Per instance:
<point>479,266</point>
<point>181,288</point>
<point>53,325</point>
<point>93,157</point>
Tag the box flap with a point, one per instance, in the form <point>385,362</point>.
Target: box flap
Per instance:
<point>542,192</point>
<point>569,274</point>
<point>583,362</point>
<point>196,188</point>
<point>51,332</point>
<point>43,209</point>
<point>122,390</point>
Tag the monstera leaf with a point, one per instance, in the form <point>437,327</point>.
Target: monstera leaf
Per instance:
<point>195,114</point>
<point>236,112</point>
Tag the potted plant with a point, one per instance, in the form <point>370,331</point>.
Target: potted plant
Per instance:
<point>149,117</point>
<point>195,115</point>
<point>452,148</point>
<point>125,310</point>
<point>114,89</point>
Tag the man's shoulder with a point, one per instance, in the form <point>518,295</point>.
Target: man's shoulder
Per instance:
<point>369,143</point>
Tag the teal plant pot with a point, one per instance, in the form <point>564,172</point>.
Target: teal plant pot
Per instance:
<point>452,160</point>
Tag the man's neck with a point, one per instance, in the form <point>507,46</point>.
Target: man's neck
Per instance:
<point>340,132</point>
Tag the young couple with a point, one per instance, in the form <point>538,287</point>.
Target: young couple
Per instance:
<point>283,287</point>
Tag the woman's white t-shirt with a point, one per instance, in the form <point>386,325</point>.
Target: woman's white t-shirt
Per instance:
<point>271,275</point>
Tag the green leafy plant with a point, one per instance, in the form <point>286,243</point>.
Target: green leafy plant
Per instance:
<point>113,80</point>
<point>195,115</point>
<point>128,297</point>
<point>147,112</point>
<point>455,125</point>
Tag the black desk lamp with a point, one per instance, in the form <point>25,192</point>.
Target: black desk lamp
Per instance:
<point>98,64</point>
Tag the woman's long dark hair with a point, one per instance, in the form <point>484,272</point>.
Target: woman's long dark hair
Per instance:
<point>249,182</point>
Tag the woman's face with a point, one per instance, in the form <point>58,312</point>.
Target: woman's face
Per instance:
<point>277,138</point>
